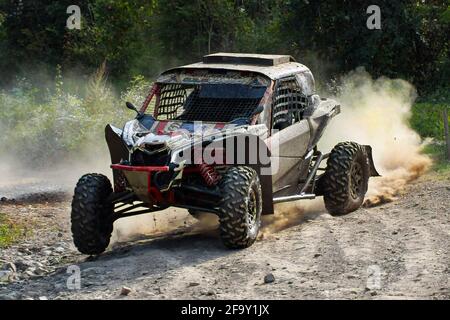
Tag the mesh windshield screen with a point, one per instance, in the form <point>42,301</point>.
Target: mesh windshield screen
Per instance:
<point>209,102</point>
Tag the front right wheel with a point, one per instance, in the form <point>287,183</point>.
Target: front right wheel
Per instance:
<point>240,208</point>
<point>91,215</point>
<point>346,178</point>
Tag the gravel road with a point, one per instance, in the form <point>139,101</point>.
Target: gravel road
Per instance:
<point>396,250</point>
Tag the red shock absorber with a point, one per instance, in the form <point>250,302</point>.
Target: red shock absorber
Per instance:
<point>209,174</point>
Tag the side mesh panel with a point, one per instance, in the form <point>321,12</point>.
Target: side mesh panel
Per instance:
<point>289,103</point>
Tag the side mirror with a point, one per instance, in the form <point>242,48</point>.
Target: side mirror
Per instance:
<point>132,107</point>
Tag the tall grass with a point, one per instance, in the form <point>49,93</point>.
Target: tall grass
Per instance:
<point>41,128</point>
<point>427,120</point>
<point>10,231</point>
<point>427,114</point>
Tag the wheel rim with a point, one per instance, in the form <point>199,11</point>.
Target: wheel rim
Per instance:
<point>252,208</point>
<point>356,179</point>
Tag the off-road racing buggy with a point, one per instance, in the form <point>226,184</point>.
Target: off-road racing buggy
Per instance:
<point>231,135</point>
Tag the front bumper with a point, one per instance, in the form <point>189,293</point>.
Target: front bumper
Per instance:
<point>151,184</point>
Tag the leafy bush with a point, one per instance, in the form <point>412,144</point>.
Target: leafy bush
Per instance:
<point>427,120</point>
<point>137,91</point>
<point>40,131</point>
<point>427,114</point>
<point>438,152</point>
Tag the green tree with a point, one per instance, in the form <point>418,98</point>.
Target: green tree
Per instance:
<point>118,32</point>
<point>408,45</point>
<point>190,29</point>
<point>33,35</point>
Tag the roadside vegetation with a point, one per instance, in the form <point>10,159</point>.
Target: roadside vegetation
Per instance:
<point>427,120</point>
<point>437,151</point>
<point>53,125</point>
<point>10,232</point>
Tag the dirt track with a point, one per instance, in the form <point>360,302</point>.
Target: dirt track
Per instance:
<point>403,244</point>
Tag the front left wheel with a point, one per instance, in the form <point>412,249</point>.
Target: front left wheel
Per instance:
<point>91,215</point>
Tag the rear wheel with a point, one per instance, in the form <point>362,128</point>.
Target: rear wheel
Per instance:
<point>91,215</point>
<point>346,178</point>
<point>240,208</point>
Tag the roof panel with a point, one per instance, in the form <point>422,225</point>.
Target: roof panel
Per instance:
<point>247,59</point>
<point>272,72</point>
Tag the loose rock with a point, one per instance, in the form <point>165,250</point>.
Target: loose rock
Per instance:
<point>22,265</point>
<point>9,296</point>
<point>125,291</point>
<point>9,266</point>
<point>6,276</point>
<point>193,284</point>
<point>60,250</point>
<point>269,278</point>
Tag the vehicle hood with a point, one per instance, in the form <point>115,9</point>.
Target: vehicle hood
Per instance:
<point>169,134</point>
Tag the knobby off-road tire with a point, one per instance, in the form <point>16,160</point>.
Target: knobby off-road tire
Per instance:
<point>91,214</point>
<point>346,178</point>
<point>240,208</point>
